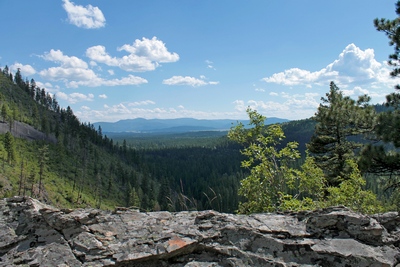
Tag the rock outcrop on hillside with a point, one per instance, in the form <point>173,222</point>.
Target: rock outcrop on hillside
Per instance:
<point>34,234</point>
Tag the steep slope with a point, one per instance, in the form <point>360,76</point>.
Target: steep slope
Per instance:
<point>55,157</point>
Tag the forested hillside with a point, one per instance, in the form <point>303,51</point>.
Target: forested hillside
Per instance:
<point>55,157</point>
<point>73,164</point>
<point>49,154</point>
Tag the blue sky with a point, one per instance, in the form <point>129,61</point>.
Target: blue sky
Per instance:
<point>209,59</point>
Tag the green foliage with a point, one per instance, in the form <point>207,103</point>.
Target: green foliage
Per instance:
<point>289,203</point>
<point>4,112</point>
<point>274,185</point>
<point>391,29</point>
<point>42,160</point>
<point>133,200</point>
<point>383,158</point>
<point>311,181</point>
<point>269,167</point>
<point>9,146</point>
<point>350,193</point>
<point>339,118</point>
<point>66,166</point>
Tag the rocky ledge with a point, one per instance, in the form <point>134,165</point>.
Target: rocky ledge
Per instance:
<point>35,234</point>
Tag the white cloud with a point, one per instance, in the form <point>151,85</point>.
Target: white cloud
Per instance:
<point>213,83</point>
<point>111,72</point>
<point>353,67</point>
<point>210,64</point>
<point>88,17</point>
<point>25,70</point>
<point>141,103</point>
<point>48,86</point>
<point>187,80</point>
<point>296,76</point>
<point>240,105</point>
<point>356,91</point>
<point>104,96</point>
<point>98,54</point>
<point>144,55</point>
<point>75,72</point>
<point>74,97</point>
<point>119,109</point>
<point>260,90</point>
<point>65,61</point>
<point>96,81</point>
<point>153,49</point>
<point>85,108</point>
<point>68,74</point>
<point>293,107</point>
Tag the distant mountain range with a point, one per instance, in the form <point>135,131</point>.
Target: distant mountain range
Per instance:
<point>140,125</point>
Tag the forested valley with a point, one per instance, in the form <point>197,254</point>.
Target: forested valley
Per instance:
<point>74,165</point>
<point>47,153</point>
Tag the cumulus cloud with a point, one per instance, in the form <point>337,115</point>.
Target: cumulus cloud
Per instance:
<point>25,70</point>
<point>104,96</point>
<point>75,72</point>
<point>65,61</point>
<point>353,67</point>
<point>294,105</point>
<point>88,17</point>
<point>356,91</point>
<point>187,80</point>
<point>152,49</point>
<point>143,55</point>
<point>74,97</point>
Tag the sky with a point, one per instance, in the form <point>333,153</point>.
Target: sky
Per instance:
<point>208,59</point>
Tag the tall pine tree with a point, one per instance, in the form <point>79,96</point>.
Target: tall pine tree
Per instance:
<point>340,123</point>
<point>384,159</point>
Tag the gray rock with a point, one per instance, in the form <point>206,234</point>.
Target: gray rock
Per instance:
<point>35,234</point>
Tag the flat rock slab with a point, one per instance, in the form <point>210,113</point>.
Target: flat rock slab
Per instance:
<point>35,234</point>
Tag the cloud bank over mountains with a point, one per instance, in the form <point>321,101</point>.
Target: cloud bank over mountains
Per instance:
<point>355,71</point>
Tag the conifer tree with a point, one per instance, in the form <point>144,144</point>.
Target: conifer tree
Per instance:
<point>385,159</point>
<point>340,120</point>
<point>42,160</point>
<point>18,78</point>
<point>4,112</point>
<point>9,146</point>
